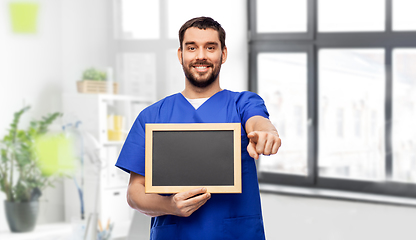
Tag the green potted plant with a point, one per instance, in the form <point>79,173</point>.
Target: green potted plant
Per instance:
<point>95,81</point>
<point>21,178</point>
<point>94,75</point>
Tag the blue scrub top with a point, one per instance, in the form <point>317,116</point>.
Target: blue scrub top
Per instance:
<point>223,216</point>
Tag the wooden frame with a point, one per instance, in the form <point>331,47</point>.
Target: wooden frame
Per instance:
<point>219,171</point>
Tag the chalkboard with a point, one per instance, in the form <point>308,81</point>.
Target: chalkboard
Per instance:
<point>181,157</point>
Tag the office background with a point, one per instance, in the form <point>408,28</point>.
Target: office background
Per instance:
<point>333,74</point>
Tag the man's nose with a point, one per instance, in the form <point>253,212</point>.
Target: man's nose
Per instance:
<point>201,54</point>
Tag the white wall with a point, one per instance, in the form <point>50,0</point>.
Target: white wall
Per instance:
<point>31,66</point>
<point>37,68</point>
<point>299,218</point>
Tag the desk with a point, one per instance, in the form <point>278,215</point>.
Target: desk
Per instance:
<point>53,231</point>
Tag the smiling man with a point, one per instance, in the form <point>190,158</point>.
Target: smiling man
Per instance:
<point>196,214</point>
<point>201,55</point>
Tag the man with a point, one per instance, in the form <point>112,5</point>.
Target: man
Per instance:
<point>196,214</point>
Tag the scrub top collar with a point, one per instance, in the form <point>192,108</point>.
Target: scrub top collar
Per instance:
<point>217,94</point>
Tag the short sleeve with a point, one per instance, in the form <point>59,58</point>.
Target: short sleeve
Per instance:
<point>250,104</point>
<point>132,154</point>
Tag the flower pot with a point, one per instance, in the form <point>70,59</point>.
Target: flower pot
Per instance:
<point>21,216</point>
<point>93,86</point>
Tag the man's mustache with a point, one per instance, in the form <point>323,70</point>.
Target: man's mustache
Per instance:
<point>201,63</point>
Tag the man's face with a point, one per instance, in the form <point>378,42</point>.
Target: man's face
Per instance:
<point>201,56</point>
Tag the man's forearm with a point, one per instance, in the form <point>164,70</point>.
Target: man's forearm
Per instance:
<point>181,204</point>
<point>259,123</point>
<point>152,205</point>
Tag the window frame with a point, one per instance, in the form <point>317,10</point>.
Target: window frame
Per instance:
<point>252,8</point>
<point>312,42</point>
<point>257,49</point>
<point>157,46</point>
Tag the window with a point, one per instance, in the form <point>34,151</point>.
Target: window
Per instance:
<point>352,83</point>
<point>351,15</point>
<point>138,70</point>
<point>404,115</point>
<point>285,96</point>
<point>404,18</point>
<point>281,16</point>
<point>146,43</point>
<point>133,12</point>
<point>341,93</point>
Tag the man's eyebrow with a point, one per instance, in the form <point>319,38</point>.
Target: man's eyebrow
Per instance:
<point>208,43</point>
<point>212,43</point>
<point>189,43</point>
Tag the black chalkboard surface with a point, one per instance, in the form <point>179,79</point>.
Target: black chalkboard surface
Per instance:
<point>181,157</point>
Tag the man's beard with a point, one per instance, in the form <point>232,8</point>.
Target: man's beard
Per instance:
<point>201,83</point>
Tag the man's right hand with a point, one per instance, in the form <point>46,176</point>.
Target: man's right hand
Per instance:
<point>185,203</point>
<point>180,204</point>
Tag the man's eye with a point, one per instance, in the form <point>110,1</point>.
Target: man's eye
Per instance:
<point>191,48</point>
<point>210,48</point>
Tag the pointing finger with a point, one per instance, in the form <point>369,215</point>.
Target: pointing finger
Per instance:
<point>252,151</point>
<point>253,136</point>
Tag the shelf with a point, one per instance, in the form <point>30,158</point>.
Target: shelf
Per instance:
<point>116,97</point>
<point>108,190</point>
<point>53,231</point>
<point>113,143</point>
<point>123,98</point>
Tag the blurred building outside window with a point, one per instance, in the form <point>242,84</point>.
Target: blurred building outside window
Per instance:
<point>277,16</point>
<point>282,84</point>
<point>351,16</point>
<point>347,106</point>
<point>404,17</point>
<point>404,115</point>
<point>352,83</point>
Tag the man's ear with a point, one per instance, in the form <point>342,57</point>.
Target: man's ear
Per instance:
<point>224,54</point>
<point>180,55</point>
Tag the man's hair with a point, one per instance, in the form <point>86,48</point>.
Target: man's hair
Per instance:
<point>203,23</point>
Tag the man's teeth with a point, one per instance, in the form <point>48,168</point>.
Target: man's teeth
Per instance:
<point>201,67</point>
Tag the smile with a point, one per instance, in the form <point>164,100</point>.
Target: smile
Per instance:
<point>200,68</point>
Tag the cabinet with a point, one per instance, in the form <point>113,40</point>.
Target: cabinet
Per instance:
<point>104,185</point>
